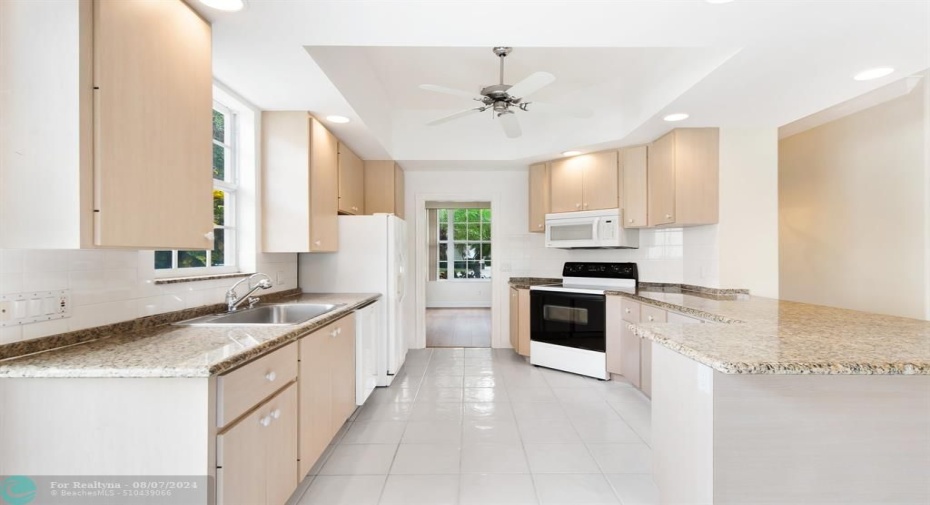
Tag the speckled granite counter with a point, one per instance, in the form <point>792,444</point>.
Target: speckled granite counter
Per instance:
<point>766,336</point>
<point>176,351</point>
<point>753,335</point>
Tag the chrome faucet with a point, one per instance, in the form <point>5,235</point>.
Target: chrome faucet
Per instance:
<point>233,302</point>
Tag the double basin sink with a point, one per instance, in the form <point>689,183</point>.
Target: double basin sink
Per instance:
<point>283,314</point>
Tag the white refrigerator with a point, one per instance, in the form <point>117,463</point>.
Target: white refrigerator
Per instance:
<point>372,258</point>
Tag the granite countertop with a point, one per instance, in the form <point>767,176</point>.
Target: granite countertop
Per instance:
<point>170,351</point>
<point>755,335</point>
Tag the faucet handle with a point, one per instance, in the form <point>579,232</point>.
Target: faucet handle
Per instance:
<point>253,301</point>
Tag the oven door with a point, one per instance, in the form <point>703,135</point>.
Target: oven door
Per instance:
<point>568,319</point>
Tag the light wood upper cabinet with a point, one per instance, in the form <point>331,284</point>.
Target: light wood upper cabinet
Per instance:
<point>585,182</point>
<point>351,182</point>
<point>634,190</point>
<point>300,202</point>
<point>384,188</point>
<point>520,321</point>
<point>113,129</point>
<point>683,178</point>
<point>539,197</point>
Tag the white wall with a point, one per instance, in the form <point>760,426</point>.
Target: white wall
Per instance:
<point>854,210</point>
<point>467,293</point>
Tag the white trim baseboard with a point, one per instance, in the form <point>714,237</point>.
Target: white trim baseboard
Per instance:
<point>458,305</point>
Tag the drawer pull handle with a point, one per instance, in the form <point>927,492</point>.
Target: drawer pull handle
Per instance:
<point>333,334</point>
<point>276,413</point>
<point>265,421</point>
<point>271,376</point>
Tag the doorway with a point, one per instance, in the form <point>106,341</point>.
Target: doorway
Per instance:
<point>458,288</point>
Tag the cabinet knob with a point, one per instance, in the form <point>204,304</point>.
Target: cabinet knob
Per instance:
<point>577,205</point>
<point>629,220</point>
<point>585,206</point>
<point>339,331</point>
<point>209,235</point>
<point>316,242</point>
<point>650,318</point>
<point>668,216</point>
<point>539,225</point>
<point>333,334</point>
<point>627,311</point>
<point>271,376</point>
<point>265,421</point>
<point>276,413</point>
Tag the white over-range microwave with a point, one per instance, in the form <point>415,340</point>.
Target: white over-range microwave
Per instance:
<point>590,229</point>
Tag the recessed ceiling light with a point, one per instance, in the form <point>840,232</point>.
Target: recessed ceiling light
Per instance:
<point>571,153</point>
<point>225,5</point>
<point>337,119</point>
<point>873,73</point>
<point>680,116</point>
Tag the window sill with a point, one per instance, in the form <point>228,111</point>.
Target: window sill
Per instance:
<point>196,278</point>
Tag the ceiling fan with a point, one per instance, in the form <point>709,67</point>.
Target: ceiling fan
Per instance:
<point>505,99</point>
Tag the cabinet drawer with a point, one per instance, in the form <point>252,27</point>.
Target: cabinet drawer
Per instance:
<point>629,310</point>
<point>247,386</point>
<point>652,314</point>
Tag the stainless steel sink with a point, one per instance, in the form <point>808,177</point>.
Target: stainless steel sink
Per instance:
<point>284,314</point>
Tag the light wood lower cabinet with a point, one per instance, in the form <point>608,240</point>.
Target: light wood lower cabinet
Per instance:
<point>520,321</point>
<point>257,457</point>
<point>327,387</point>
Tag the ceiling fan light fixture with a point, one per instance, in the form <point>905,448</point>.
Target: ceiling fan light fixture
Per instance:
<point>337,119</point>
<point>678,116</point>
<point>225,5</point>
<point>571,153</point>
<point>873,73</point>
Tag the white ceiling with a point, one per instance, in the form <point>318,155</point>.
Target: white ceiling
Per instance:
<point>749,63</point>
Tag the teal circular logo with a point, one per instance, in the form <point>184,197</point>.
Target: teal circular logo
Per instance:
<point>18,490</point>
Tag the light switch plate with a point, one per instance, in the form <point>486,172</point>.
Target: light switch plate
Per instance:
<point>34,307</point>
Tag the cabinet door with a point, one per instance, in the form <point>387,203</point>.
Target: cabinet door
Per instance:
<point>600,181</point>
<point>630,355</point>
<point>539,197</point>
<point>615,322</point>
<point>634,199</point>
<point>566,184</point>
<point>316,397</point>
<point>343,371</point>
<point>153,111</point>
<point>652,314</point>
<point>515,320</point>
<point>280,449</point>
<point>324,189</point>
<point>661,181</point>
<point>241,462</point>
<point>523,321</point>
<point>351,182</point>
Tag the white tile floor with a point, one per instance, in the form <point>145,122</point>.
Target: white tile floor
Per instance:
<point>483,427</point>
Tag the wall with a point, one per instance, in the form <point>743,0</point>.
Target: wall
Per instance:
<point>108,286</point>
<point>853,210</point>
<point>469,293</point>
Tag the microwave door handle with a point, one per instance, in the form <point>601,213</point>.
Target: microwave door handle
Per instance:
<point>596,224</point>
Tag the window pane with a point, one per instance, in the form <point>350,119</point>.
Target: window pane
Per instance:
<point>485,231</point>
<point>459,251</point>
<point>162,260</point>
<point>474,231</point>
<point>443,231</point>
<point>474,215</point>
<point>192,259</point>
<point>474,270</point>
<point>219,162</point>
<point>486,270</point>
<point>486,215</point>
<point>219,126</point>
<point>443,215</point>
<point>442,252</point>
<point>460,269</point>
<point>486,252</point>
<point>218,256</point>
<point>460,216</point>
<point>219,207</point>
<point>459,232</point>
<point>443,270</point>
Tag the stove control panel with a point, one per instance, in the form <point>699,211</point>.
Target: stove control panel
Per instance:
<point>601,270</point>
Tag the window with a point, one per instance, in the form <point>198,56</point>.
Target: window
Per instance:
<point>222,258</point>
<point>464,243</point>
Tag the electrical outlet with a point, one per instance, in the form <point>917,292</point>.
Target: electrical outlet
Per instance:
<point>33,307</point>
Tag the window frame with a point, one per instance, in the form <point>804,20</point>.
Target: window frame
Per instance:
<point>450,241</point>
<point>230,186</point>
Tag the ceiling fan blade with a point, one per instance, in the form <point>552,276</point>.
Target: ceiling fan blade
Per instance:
<point>531,84</point>
<point>554,108</point>
<point>450,91</point>
<point>510,124</point>
<point>457,115</point>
